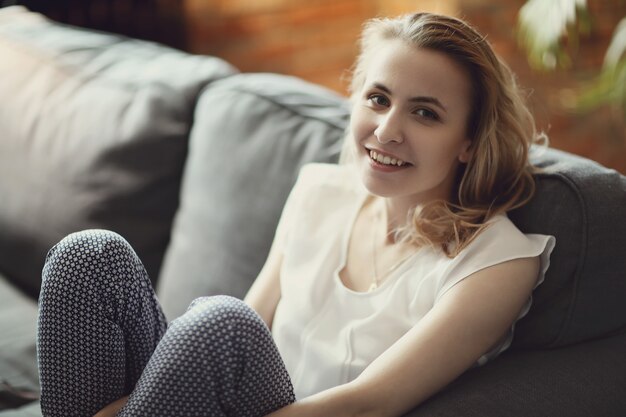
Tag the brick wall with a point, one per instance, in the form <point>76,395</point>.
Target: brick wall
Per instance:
<point>316,40</point>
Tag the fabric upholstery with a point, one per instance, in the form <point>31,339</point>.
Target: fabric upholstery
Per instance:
<point>29,410</point>
<point>18,316</point>
<point>582,380</point>
<point>251,134</point>
<point>583,205</point>
<point>95,137</point>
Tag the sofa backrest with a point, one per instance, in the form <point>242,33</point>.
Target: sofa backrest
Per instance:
<point>93,134</point>
<point>254,131</point>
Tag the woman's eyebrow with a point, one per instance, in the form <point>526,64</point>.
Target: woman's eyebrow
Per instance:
<point>418,99</point>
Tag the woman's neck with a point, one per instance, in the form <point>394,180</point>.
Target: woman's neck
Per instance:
<point>393,214</point>
<point>395,210</point>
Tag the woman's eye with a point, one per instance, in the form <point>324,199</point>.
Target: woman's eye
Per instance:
<point>425,113</point>
<point>378,100</point>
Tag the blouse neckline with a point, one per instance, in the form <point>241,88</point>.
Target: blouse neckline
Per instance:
<point>345,241</point>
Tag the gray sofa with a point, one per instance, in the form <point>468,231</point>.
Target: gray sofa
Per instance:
<point>192,162</point>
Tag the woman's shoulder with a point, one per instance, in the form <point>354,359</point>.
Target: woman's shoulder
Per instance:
<point>500,241</point>
<point>501,238</point>
<point>499,227</point>
<point>499,231</point>
<point>327,177</point>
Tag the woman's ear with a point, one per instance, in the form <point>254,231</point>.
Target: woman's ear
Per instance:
<point>466,151</point>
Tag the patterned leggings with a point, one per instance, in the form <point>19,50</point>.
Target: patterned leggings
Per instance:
<point>102,335</point>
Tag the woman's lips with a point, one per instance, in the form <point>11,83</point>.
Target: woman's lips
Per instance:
<point>385,158</point>
<point>385,162</point>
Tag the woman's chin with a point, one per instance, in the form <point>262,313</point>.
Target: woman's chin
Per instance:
<point>375,187</point>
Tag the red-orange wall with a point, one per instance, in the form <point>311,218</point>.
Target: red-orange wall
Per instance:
<point>316,40</point>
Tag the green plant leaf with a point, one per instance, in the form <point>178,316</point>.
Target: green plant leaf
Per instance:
<point>610,85</point>
<point>542,25</point>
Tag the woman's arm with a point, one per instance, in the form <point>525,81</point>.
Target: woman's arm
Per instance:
<point>112,409</point>
<point>467,321</point>
<point>264,294</point>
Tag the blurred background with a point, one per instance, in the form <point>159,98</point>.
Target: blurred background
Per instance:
<point>558,48</point>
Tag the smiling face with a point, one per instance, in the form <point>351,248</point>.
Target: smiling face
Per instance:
<point>409,123</point>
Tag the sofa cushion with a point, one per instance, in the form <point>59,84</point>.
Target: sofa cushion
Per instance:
<point>18,318</point>
<point>94,132</point>
<point>251,135</point>
<point>30,410</point>
<point>583,205</point>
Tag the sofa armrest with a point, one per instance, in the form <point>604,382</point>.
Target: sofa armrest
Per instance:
<point>582,380</point>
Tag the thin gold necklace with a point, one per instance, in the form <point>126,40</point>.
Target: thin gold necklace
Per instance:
<point>376,279</point>
<point>374,283</point>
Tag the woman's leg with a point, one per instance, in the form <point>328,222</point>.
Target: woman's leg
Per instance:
<point>99,322</point>
<point>218,359</point>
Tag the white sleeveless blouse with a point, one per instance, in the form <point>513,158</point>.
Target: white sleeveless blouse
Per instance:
<point>328,334</point>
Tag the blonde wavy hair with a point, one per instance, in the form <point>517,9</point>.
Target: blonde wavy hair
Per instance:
<point>498,176</point>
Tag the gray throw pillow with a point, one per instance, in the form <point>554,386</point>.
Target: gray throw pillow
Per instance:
<point>251,135</point>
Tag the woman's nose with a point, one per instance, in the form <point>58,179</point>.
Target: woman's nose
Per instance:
<point>389,128</point>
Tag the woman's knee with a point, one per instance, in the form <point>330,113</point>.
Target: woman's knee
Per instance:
<point>222,311</point>
<point>83,254</point>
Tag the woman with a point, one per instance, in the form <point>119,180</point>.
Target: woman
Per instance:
<point>389,276</point>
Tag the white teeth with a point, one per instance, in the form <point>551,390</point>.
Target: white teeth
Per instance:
<point>386,159</point>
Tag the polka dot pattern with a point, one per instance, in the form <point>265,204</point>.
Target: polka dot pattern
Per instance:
<point>102,335</point>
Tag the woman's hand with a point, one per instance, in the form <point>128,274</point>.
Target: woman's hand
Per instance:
<point>112,409</point>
